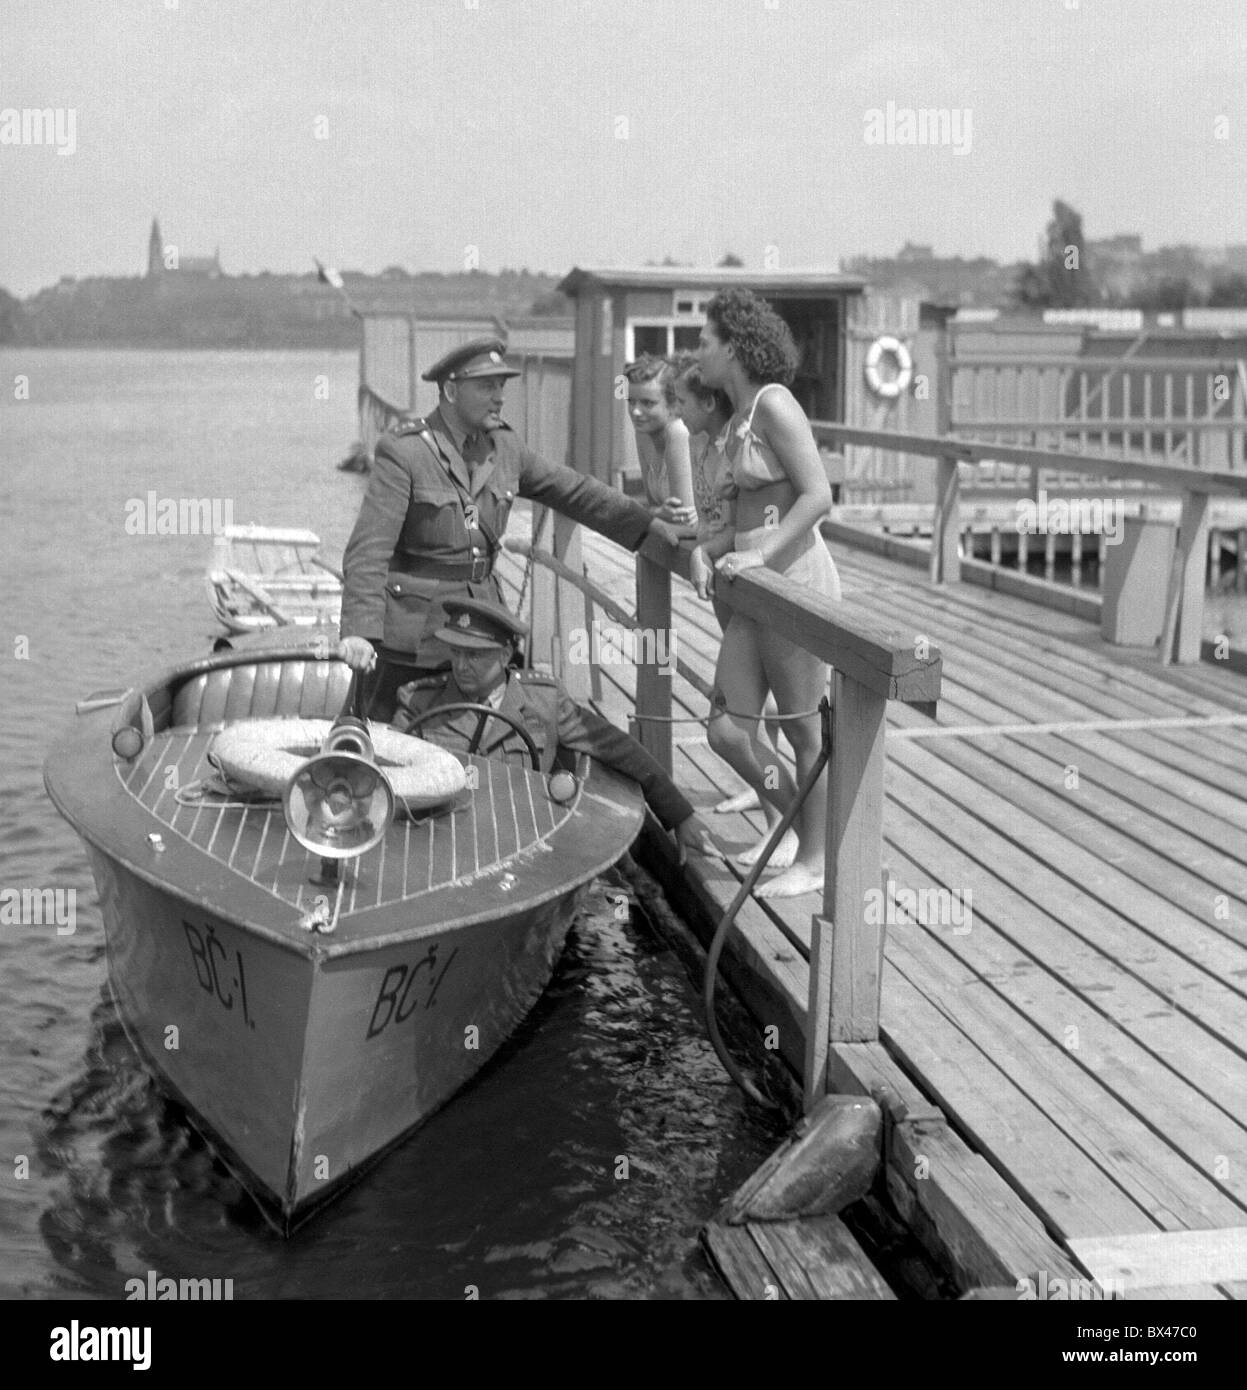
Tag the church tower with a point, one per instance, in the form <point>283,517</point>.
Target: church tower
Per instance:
<point>155,252</point>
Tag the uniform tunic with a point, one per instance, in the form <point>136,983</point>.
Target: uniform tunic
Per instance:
<point>554,720</point>
<point>436,501</point>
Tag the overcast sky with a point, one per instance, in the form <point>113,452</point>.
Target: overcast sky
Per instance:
<point>549,133</point>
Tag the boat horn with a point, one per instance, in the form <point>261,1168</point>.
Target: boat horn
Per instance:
<point>339,804</point>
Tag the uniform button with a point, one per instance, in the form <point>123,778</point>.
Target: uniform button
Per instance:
<point>476,550</point>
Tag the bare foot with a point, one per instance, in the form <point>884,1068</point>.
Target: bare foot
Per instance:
<point>785,852</point>
<point>748,800</point>
<point>800,879</point>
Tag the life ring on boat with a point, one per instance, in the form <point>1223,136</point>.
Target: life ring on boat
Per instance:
<point>894,348</point>
<point>266,753</point>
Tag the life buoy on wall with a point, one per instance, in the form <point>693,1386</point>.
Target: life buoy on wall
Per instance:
<point>891,347</point>
<point>266,753</point>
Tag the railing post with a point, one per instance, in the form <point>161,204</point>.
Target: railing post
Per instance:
<point>653,679</point>
<point>846,945</point>
<point>945,527</point>
<point>1184,607</point>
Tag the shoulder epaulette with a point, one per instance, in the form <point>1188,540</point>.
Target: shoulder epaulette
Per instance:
<point>526,676</point>
<point>405,427</point>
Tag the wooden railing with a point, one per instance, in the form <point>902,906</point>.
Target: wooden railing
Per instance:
<point>1174,410</point>
<point>1185,604</point>
<point>376,416</point>
<point>872,665</point>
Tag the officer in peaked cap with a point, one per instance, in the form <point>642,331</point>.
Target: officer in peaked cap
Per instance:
<point>484,639</point>
<point>432,520</point>
<point>480,357</point>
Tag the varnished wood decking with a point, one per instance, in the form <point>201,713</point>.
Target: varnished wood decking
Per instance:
<point>1084,1029</point>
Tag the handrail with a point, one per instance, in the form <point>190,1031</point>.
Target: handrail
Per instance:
<point>1184,604</point>
<point>843,634</point>
<point>1186,479</point>
<point>1033,362</point>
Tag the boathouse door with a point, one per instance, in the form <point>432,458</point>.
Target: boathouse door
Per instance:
<point>818,331</point>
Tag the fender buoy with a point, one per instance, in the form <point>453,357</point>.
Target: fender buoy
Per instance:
<point>894,348</point>
<point>266,753</point>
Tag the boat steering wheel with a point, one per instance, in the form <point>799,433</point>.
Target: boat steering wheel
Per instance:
<point>485,712</point>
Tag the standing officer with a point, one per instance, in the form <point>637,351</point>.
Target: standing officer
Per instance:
<point>434,514</point>
<point>483,640</point>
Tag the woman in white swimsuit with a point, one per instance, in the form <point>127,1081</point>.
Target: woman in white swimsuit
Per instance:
<point>782,494</point>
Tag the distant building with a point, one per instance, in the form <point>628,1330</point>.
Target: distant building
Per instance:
<point>204,267</point>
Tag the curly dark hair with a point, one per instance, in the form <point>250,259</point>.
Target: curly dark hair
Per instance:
<point>763,341</point>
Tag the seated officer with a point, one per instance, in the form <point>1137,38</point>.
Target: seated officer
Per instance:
<point>483,640</point>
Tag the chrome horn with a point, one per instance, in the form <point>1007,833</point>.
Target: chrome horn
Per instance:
<point>339,804</point>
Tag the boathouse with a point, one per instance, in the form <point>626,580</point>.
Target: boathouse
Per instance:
<point>836,320</point>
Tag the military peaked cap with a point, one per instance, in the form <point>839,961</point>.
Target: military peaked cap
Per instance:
<point>475,622</point>
<point>480,357</point>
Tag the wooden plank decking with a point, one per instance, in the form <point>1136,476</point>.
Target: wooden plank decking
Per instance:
<point>1082,1023</point>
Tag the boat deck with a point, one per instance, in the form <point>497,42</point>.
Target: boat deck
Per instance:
<point>1080,1027</point>
<point>473,839</point>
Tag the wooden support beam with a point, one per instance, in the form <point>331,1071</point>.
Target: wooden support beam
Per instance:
<point>854,840</point>
<point>653,680</point>
<point>945,559</point>
<point>1184,605</point>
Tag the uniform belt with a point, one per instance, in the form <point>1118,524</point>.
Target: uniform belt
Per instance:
<point>475,570</point>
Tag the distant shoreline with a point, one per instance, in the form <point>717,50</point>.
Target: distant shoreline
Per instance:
<point>111,346</point>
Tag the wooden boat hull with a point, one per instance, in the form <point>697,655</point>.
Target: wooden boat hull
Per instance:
<point>300,1071</point>
<point>302,1055</point>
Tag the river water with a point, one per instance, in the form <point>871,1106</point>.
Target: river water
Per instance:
<point>512,1189</point>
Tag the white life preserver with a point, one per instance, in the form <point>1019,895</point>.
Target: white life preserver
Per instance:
<point>266,753</point>
<point>889,390</point>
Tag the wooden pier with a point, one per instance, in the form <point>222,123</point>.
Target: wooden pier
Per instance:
<point>1060,1050</point>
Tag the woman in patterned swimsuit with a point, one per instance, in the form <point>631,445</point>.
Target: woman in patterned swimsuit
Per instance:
<point>781,495</point>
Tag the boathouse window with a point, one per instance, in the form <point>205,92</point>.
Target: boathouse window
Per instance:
<point>661,337</point>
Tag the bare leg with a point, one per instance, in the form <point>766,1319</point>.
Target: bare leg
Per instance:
<point>735,737</point>
<point>748,800</point>
<point>799,681</point>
